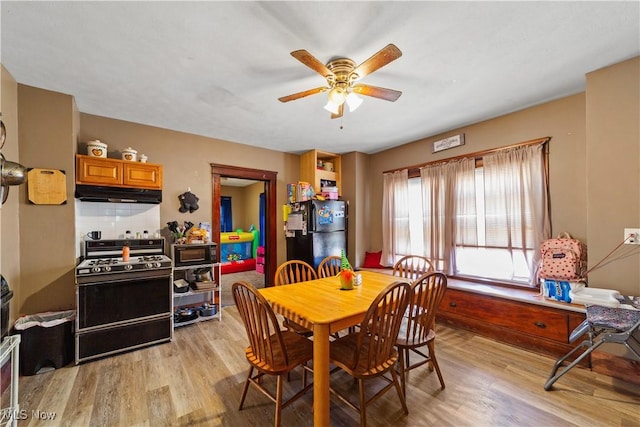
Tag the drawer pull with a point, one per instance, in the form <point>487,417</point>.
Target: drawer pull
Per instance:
<point>453,304</point>
<point>540,324</point>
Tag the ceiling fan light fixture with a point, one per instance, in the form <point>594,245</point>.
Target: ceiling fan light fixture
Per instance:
<point>332,107</point>
<point>341,74</point>
<point>337,95</point>
<point>353,101</point>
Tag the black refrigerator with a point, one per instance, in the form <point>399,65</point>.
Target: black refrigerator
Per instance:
<point>316,229</point>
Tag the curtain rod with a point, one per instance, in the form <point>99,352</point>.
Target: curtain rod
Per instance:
<point>474,155</point>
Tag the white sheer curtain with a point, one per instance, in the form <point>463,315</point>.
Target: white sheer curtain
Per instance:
<point>516,201</point>
<point>449,210</point>
<point>395,216</point>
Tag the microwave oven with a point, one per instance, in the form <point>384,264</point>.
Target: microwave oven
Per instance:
<point>190,255</point>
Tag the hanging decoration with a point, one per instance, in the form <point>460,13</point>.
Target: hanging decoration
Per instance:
<point>188,202</point>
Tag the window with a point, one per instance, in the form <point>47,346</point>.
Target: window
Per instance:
<point>480,217</point>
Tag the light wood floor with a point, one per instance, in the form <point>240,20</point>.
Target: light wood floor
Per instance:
<point>196,380</point>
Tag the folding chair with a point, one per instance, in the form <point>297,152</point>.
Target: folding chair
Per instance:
<point>612,325</point>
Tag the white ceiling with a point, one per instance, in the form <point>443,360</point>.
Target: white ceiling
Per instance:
<point>217,68</point>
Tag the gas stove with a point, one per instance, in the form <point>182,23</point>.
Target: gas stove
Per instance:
<point>122,305</point>
<point>115,265</point>
<point>105,257</point>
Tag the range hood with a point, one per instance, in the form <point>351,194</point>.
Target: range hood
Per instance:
<point>93,193</point>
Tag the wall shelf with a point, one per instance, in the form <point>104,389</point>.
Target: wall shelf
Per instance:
<point>310,173</point>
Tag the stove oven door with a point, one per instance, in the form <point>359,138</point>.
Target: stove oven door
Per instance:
<point>120,312</point>
<point>118,298</point>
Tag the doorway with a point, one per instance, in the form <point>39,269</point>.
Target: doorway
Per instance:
<point>269,178</point>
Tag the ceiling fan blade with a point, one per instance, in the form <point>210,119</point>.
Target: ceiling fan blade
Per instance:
<point>340,111</point>
<point>384,56</point>
<point>377,92</point>
<point>299,95</point>
<point>312,62</point>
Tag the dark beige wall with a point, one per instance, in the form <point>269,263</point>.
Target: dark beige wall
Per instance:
<point>9,212</point>
<point>355,189</point>
<point>237,204</point>
<point>252,205</point>
<point>47,244</point>
<point>245,204</point>
<point>613,172</point>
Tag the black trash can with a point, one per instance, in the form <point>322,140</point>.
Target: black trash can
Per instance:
<point>46,340</point>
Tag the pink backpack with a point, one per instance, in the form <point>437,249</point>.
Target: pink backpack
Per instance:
<point>563,258</point>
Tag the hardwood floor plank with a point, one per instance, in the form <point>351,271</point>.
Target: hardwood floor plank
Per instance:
<point>133,403</point>
<point>160,407</point>
<point>82,396</point>
<point>106,407</point>
<point>197,379</point>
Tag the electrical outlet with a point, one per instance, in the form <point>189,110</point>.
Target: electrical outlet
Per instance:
<point>632,236</point>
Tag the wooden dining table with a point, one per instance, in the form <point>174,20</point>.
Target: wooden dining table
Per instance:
<point>321,306</point>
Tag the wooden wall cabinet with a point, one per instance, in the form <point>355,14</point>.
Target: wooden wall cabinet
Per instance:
<point>310,173</point>
<point>117,173</point>
<point>539,328</point>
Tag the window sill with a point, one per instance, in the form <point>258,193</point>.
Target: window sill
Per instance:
<point>529,296</point>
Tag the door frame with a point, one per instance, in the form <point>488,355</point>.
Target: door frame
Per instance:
<point>270,180</point>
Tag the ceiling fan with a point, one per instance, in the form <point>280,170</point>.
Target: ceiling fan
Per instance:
<point>342,74</point>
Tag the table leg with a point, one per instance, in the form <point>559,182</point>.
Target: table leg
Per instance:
<point>321,375</point>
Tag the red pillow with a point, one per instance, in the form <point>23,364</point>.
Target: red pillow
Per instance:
<point>372,260</point>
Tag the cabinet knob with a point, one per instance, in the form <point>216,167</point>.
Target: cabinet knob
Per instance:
<point>540,324</point>
<point>453,304</point>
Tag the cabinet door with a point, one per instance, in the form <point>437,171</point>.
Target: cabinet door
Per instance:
<point>98,171</point>
<point>142,175</point>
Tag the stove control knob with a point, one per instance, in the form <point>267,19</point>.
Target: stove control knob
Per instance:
<point>107,268</point>
<point>157,265</point>
<point>96,269</point>
<point>148,265</point>
<point>128,267</point>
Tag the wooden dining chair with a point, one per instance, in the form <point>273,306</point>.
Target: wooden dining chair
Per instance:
<point>412,266</point>
<point>329,266</point>
<point>371,352</point>
<point>294,271</point>
<point>271,351</point>
<point>417,329</point>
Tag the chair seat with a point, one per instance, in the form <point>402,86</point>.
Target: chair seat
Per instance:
<point>418,339</point>
<point>299,350</point>
<point>342,352</point>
